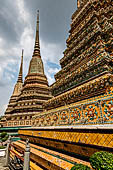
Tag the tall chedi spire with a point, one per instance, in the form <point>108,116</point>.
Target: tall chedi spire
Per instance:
<point>35,89</point>
<point>20,76</point>
<point>36,64</point>
<point>37,43</point>
<point>17,89</point>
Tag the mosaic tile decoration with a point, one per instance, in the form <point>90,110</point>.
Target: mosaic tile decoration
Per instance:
<point>97,110</point>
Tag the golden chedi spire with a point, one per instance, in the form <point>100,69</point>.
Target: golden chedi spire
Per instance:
<point>17,89</point>
<point>36,64</point>
<point>20,76</point>
<point>37,43</point>
<point>35,89</point>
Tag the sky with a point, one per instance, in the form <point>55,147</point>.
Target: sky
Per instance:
<point>17,32</point>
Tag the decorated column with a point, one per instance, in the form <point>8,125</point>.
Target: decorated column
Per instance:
<point>8,153</point>
<point>27,156</point>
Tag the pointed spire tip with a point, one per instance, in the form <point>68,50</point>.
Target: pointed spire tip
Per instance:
<point>37,44</point>
<point>20,76</point>
<point>22,52</point>
<point>37,16</point>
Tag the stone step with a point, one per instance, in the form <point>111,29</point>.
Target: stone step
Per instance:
<point>50,159</point>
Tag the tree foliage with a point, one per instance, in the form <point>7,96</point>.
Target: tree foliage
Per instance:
<point>4,136</point>
<point>80,167</point>
<point>102,161</point>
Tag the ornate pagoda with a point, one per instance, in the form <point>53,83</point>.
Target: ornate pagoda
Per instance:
<point>78,120</point>
<point>35,90</point>
<point>16,91</point>
<point>86,73</point>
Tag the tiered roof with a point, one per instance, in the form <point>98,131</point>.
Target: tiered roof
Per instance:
<point>35,89</point>
<point>17,89</point>
<point>87,62</point>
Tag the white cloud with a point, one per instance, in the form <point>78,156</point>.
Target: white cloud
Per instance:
<point>50,78</point>
<point>2,53</point>
<point>51,52</point>
<point>53,70</point>
<point>23,13</point>
<point>10,57</point>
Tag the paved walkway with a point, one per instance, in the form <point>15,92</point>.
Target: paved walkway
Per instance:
<point>2,162</point>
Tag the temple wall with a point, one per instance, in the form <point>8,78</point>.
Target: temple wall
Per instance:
<point>93,111</point>
<point>47,158</point>
<point>81,141</point>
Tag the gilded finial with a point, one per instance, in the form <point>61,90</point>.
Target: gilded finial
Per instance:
<point>20,76</point>
<point>38,15</point>
<point>22,52</point>
<point>37,44</point>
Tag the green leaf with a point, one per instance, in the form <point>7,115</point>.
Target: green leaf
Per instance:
<point>102,161</point>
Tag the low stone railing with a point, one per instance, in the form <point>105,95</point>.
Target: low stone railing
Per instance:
<point>16,161</point>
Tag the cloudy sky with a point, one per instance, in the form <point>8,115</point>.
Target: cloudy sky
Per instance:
<point>17,32</point>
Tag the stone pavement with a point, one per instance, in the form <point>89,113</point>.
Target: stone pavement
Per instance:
<point>2,162</point>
